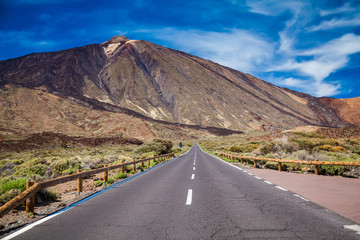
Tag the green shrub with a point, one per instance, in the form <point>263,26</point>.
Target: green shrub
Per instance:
<point>268,148</point>
<point>47,195</point>
<point>306,145</point>
<point>129,168</point>
<point>308,135</point>
<point>326,147</point>
<point>235,148</point>
<point>18,161</point>
<point>60,166</point>
<point>9,195</point>
<point>121,176</point>
<point>110,181</point>
<point>290,148</point>
<point>271,165</point>
<point>99,183</point>
<point>159,146</point>
<point>247,148</point>
<point>140,167</point>
<point>19,183</point>
<point>333,170</point>
<point>132,172</point>
<point>39,169</point>
<point>176,150</point>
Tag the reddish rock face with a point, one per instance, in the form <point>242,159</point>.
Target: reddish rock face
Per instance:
<point>347,109</point>
<point>163,86</point>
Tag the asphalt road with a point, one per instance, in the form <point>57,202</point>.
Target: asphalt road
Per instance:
<point>195,196</point>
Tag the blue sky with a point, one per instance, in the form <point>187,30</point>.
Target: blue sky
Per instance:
<point>308,46</point>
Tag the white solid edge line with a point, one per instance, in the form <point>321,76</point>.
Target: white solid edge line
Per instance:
<point>245,171</point>
<point>189,197</point>
<point>30,226</point>
<point>193,176</point>
<point>281,188</point>
<point>258,177</point>
<point>250,174</point>
<point>353,227</point>
<point>226,162</point>
<point>268,182</point>
<point>297,195</point>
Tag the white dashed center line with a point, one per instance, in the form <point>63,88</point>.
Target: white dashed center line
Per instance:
<point>194,163</point>
<point>194,168</point>
<point>193,176</point>
<point>189,197</point>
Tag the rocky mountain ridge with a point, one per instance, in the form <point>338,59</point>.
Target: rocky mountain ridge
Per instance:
<point>161,85</point>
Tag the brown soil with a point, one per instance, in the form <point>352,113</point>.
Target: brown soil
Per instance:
<point>49,139</point>
<point>335,133</point>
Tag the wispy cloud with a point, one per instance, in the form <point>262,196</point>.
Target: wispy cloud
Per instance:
<point>343,9</point>
<point>351,19</point>
<point>235,48</point>
<point>336,23</point>
<point>24,38</point>
<point>324,60</point>
<point>274,7</point>
<point>308,85</point>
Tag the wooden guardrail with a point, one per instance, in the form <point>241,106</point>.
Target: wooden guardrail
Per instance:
<point>33,189</point>
<point>280,161</point>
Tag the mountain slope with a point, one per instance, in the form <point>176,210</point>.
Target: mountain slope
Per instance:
<point>25,111</point>
<point>347,109</point>
<point>149,81</point>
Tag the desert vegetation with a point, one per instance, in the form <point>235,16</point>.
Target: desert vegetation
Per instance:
<point>341,144</point>
<point>16,167</point>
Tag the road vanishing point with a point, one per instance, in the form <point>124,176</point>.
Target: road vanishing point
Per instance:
<point>193,196</point>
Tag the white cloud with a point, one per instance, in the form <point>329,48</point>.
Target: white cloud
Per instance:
<point>315,88</point>
<point>336,23</point>
<point>343,9</point>
<point>322,89</point>
<point>274,7</point>
<point>325,59</point>
<point>340,47</point>
<point>238,49</point>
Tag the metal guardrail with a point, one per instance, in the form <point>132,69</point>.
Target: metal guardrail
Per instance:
<point>31,190</point>
<point>280,161</point>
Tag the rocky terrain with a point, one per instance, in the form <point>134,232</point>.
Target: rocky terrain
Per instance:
<point>142,90</point>
<point>347,109</point>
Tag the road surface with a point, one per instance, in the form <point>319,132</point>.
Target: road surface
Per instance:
<point>194,196</point>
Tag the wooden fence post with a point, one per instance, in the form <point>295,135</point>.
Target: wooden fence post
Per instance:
<point>241,160</point>
<point>106,173</point>
<point>30,202</point>
<point>279,166</point>
<point>79,183</point>
<point>142,164</point>
<point>134,167</point>
<point>316,169</point>
<point>255,163</point>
